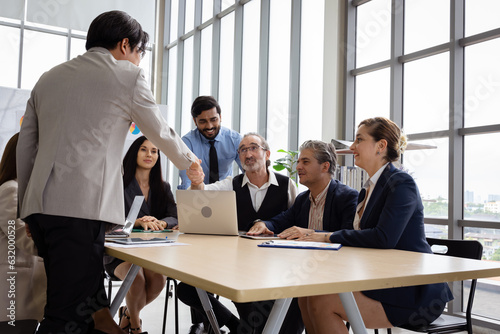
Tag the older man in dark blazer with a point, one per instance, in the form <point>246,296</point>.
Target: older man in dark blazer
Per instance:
<point>328,205</point>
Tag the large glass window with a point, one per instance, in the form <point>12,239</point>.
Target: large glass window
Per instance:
<point>189,22</point>
<point>436,29</point>
<point>206,61</point>
<point>187,87</point>
<point>373,32</point>
<point>481,186</point>
<point>226,3</point>
<point>78,47</point>
<point>207,10</point>
<point>35,63</point>
<point>373,95</point>
<point>486,297</point>
<point>265,81</point>
<point>443,88</point>
<point>174,20</point>
<point>172,85</point>
<point>426,94</point>
<point>481,16</point>
<point>482,84</point>
<point>250,68</point>
<point>311,65</point>
<point>279,75</point>
<point>226,68</point>
<point>9,39</point>
<point>429,168</point>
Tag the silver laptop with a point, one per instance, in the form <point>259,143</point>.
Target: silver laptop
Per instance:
<point>207,212</point>
<point>125,230</point>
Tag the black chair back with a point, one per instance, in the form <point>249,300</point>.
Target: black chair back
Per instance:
<point>469,249</point>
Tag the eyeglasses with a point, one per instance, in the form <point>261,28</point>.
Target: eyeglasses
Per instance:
<point>252,148</point>
<point>141,51</point>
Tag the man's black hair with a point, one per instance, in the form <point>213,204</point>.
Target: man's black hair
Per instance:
<point>202,103</point>
<point>111,27</point>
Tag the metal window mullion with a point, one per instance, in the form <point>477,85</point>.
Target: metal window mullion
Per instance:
<point>180,75</point>
<point>397,50</point>
<point>492,128</point>
<point>456,147</point>
<point>10,24</point>
<point>263,95</point>
<point>216,50</point>
<point>349,79</point>
<point>180,65</point>
<point>21,50</point>
<point>226,11</point>
<point>481,37</point>
<point>371,68</point>
<point>197,49</point>
<point>434,50</point>
<point>153,66</point>
<point>45,30</point>
<point>428,135</point>
<point>294,97</point>
<point>479,223</point>
<point>68,50</point>
<point>238,66</point>
<point>456,118</point>
<point>166,53</point>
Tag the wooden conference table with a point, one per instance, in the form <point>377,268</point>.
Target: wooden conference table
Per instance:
<point>237,269</point>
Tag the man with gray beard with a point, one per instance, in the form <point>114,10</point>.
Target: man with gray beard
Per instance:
<point>260,194</point>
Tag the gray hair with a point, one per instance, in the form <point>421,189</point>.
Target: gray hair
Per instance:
<point>323,152</point>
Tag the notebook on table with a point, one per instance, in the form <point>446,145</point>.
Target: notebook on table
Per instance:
<point>207,212</point>
<point>141,241</point>
<point>125,230</point>
<point>300,244</point>
<point>260,236</point>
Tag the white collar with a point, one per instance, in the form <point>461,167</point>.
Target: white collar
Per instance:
<point>271,180</point>
<point>372,181</point>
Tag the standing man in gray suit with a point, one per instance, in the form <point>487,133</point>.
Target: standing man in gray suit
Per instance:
<point>69,166</point>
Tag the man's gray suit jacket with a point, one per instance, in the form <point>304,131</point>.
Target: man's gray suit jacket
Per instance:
<point>69,154</point>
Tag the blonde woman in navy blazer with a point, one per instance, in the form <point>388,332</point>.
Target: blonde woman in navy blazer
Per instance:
<point>393,219</point>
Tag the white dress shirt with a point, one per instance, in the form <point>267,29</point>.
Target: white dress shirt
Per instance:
<point>370,185</point>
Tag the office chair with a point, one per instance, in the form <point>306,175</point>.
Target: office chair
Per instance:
<point>168,293</point>
<point>470,249</point>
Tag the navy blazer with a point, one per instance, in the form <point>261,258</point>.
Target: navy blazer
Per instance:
<point>394,218</point>
<point>340,207</point>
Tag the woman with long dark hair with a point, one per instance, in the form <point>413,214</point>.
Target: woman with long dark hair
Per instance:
<point>142,176</point>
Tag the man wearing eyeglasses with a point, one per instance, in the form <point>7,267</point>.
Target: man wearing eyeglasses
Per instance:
<point>260,194</point>
<point>69,156</point>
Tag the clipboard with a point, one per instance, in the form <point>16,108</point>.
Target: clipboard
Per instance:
<point>300,244</point>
